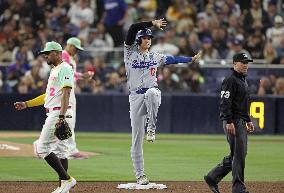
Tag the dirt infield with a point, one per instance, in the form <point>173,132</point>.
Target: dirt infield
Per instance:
<point>110,187</point>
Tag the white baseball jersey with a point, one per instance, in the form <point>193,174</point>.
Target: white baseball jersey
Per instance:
<point>60,76</point>
<point>141,68</point>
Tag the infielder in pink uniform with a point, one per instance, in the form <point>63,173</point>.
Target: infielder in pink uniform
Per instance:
<point>58,104</point>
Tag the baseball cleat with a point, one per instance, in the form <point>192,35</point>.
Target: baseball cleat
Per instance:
<point>142,180</point>
<point>150,136</point>
<point>211,184</point>
<point>66,185</point>
<point>56,190</point>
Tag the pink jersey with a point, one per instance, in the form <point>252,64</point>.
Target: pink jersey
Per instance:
<point>70,60</point>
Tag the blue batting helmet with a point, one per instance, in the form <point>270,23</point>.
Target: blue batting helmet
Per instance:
<point>142,33</point>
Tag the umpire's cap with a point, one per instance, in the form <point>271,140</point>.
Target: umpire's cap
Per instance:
<point>241,57</point>
<point>142,33</point>
<point>51,46</point>
<point>75,42</point>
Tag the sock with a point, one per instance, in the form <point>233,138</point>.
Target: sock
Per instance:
<point>64,163</point>
<point>55,163</point>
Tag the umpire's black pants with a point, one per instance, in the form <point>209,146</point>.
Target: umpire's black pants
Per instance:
<point>234,162</point>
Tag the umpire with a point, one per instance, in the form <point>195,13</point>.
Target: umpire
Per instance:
<point>234,112</point>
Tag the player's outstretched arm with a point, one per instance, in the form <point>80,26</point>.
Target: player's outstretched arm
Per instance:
<point>182,59</point>
<point>30,103</point>
<point>134,28</point>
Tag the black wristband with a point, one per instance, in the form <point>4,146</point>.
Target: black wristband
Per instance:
<point>61,116</point>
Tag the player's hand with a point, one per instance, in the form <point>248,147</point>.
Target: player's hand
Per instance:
<point>197,56</point>
<point>20,105</point>
<point>231,128</point>
<point>250,127</point>
<point>88,75</point>
<point>159,23</point>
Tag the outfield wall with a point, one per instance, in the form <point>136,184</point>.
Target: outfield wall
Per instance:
<point>177,114</point>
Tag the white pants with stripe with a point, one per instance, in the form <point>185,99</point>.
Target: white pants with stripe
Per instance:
<point>48,142</point>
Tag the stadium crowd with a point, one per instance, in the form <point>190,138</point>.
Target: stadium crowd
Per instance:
<point>219,28</point>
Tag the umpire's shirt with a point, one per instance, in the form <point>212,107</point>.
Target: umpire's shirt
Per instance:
<point>235,98</point>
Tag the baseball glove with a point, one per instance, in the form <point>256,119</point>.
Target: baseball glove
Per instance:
<point>62,130</point>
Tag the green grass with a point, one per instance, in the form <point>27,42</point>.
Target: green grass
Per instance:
<point>170,158</point>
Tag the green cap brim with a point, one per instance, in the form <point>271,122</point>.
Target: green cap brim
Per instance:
<point>79,47</point>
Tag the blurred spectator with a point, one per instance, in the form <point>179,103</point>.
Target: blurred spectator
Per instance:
<point>234,26</point>
<point>256,19</point>
<point>114,84</point>
<point>219,41</point>
<point>280,48</point>
<point>162,7</point>
<point>272,10</point>
<point>114,18</point>
<point>82,16</point>
<point>23,86</point>
<point>234,8</point>
<point>265,87</point>
<point>237,47</point>
<point>184,48</point>
<point>269,53</point>
<point>163,47</point>
<point>24,52</point>
<point>36,83</point>
<point>39,12</point>
<point>98,38</point>
<point>194,42</point>
<point>85,86</point>
<point>101,69</point>
<point>276,33</point>
<point>278,60</point>
<point>255,45</point>
<point>191,80</point>
<point>203,30</point>
<point>180,10</point>
<point>98,87</point>
<point>17,70</point>
<point>208,51</point>
<point>148,7</point>
<point>122,73</point>
<point>279,87</point>
<point>208,14</point>
<point>132,12</point>
<point>58,16</point>
<point>167,84</point>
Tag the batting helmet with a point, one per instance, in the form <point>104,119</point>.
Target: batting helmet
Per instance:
<point>142,33</point>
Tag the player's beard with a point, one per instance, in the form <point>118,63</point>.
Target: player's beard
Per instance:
<point>49,62</point>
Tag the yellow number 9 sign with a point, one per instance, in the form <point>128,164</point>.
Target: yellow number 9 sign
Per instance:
<point>257,111</point>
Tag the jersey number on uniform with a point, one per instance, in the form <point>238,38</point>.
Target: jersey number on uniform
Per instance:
<point>153,71</point>
<point>225,94</point>
<point>51,91</point>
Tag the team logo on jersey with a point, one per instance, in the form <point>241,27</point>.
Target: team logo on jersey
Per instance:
<point>143,64</point>
<point>66,78</point>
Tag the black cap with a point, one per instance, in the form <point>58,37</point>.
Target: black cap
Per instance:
<point>240,57</point>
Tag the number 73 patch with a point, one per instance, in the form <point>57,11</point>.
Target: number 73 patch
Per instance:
<point>225,94</point>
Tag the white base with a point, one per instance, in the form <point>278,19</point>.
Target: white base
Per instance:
<point>135,186</point>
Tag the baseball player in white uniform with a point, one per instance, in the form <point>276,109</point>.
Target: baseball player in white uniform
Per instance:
<point>58,105</point>
<point>144,95</point>
<point>68,54</point>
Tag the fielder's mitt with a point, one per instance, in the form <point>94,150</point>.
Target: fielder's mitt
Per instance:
<point>62,130</point>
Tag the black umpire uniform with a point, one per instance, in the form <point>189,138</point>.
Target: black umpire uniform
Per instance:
<point>234,108</point>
